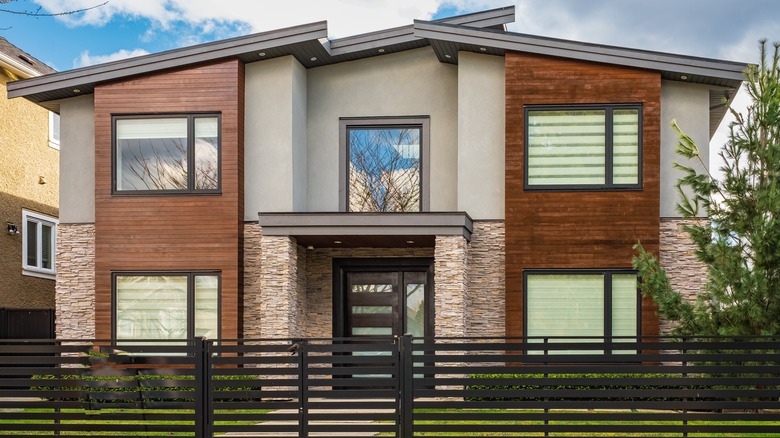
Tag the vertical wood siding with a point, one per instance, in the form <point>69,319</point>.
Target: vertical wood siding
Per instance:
<point>181,232</point>
<point>591,229</point>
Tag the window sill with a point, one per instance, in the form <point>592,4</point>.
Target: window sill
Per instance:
<point>39,274</point>
<point>54,144</point>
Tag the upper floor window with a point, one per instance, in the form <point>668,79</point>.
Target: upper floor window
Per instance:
<point>167,154</point>
<point>583,147</point>
<point>54,130</point>
<point>39,234</point>
<point>384,164</point>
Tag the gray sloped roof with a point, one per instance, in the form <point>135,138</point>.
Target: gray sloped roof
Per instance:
<point>19,60</point>
<point>480,32</point>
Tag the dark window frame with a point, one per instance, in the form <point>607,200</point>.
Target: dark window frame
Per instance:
<point>190,190</point>
<point>384,122</point>
<point>190,297</point>
<point>608,159</point>
<point>607,273</point>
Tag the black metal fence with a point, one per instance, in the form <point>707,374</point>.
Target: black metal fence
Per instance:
<point>401,387</point>
<point>26,323</point>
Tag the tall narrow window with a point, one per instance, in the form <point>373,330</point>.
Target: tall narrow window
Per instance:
<point>54,130</point>
<point>583,147</point>
<point>384,166</point>
<point>166,305</point>
<point>167,154</point>
<point>40,235</point>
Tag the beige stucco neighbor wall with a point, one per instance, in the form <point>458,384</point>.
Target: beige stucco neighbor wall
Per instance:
<point>26,156</point>
<point>75,309</point>
<point>677,256</point>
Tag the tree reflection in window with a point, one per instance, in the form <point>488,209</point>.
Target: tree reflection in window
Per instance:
<point>384,169</point>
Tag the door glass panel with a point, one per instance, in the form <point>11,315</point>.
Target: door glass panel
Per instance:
<point>415,309</point>
<point>372,288</point>
<point>371,331</point>
<point>372,309</point>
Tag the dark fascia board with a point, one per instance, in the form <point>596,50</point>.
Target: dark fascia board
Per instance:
<point>367,224</point>
<point>405,34</point>
<point>169,59</point>
<point>645,59</point>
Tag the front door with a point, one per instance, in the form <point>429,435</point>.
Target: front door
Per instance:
<point>384,297</point>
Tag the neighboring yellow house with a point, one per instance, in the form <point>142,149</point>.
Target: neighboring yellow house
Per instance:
<point>29,197</point>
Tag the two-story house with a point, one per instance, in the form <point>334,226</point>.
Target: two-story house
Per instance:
<point>29,167</point>
<point>444,178</point>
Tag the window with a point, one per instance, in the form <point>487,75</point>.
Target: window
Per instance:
<point>383,164</point>
<point>166,305</point>
<point>583,147</point>
<point>168,154</point>
<point>39,234</point>
<point>581,303</point>
<point>54,130</point>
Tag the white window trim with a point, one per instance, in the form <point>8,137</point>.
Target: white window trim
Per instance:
<point>35,271</point>
<point>53,143</point>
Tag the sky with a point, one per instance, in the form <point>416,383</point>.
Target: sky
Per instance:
<point>720,29</point>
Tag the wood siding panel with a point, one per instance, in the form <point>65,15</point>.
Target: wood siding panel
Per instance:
<point>582,229</point>
<point>181,232</point>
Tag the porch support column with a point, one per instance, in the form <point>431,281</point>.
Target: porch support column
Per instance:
<point>280,306</point>
<point>450,288</point>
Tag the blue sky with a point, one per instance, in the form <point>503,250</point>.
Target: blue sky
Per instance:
<point>723,29</point>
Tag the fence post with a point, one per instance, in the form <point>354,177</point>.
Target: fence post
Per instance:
<point>198,346</point>
<point>405,385</point>
<point>303,390</point>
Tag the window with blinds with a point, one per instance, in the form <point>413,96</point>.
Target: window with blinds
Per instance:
<point>583,147</point>
<point>166,305</point>
<point>39,233</point>
<point>567,305</point>
<point>177,153</point>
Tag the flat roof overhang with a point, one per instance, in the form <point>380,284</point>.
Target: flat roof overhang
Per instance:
<point>374,230</point>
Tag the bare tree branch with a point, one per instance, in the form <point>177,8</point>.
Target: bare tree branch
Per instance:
<point>37,12</point>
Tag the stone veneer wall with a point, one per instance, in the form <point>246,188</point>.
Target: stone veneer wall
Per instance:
<point>279,301</point>
<point>677,256</point>
<point>487,281</point>
<point>450,288</point>
<point>252,271</point>
<point>75,289</point>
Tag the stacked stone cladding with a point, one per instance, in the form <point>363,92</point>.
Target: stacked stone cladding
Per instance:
<point>450,281</point>
<point>485,313</point>
<point>677,255</point>
<point>75,290</point>
<point>252,273</point>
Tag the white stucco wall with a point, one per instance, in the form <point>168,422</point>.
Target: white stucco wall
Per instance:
<point>274,137</point>
<point>688,104</point>
<point>481,135</point>
<point>77,160</point>
<point>411,83</point>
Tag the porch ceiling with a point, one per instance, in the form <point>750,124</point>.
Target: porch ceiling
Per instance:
<point>378,230</point>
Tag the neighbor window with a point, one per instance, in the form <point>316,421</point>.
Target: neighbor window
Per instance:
<point>176,153</point>
<point>166,305</point>
<point>384,163</point>
<point>583,147</point>
<point>561,304</point>
<point>39,242</point>
<point>54,130</point>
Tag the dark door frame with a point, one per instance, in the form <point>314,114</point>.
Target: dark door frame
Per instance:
<point>342,266</point>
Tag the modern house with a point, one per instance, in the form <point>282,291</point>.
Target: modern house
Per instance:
<point>29,147</point>
<point>444,178</point>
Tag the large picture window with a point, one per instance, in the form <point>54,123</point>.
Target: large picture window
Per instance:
<point>561,304</point>
<point>176,153</point>
<point>169,305</point>
<point>583,147</point>
<point>383,165</point>
<point>39,233</point>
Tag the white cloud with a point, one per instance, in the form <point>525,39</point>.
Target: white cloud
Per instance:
<point>85,59</point>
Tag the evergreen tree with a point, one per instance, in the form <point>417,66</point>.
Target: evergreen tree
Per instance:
<point>740,241</point>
